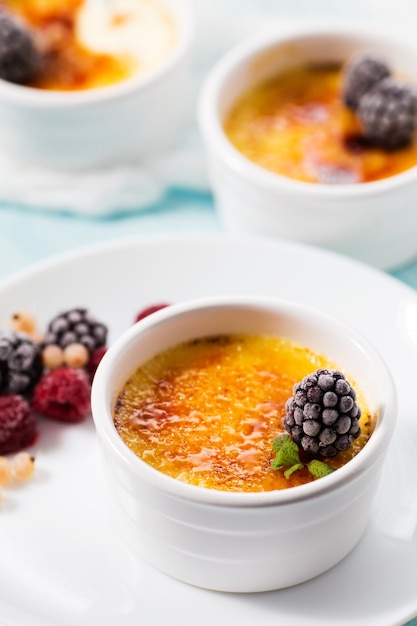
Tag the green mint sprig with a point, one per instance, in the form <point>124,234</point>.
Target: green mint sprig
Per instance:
<point>287,455</point>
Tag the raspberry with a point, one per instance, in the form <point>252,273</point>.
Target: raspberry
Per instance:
<point>20,362</point>
<point>19,57</point>
<point>362,73</point>
<point>17,424</point>
<point>94,361</point>
<point>63,394</point>
<point>76,326</point>
<point>149,310</point>
<point>388,114</point>
<point>322,416</point>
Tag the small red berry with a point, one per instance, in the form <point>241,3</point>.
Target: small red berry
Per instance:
<point>63,394</point>
<point>18,427</point>
<point>149,310</point>
<point>94,361</point>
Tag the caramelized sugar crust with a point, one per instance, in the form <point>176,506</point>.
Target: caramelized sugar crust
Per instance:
<point>206,412</point>
<point>297,125</point>
<point>67,65</point>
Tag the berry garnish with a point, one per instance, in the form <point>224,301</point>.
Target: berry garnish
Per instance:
<point>5,471</point>
<point>18,427</point>
<point>76,355</point>
<point>16,469</point>
<point>52,357</point>
<point>19,57</point>
<point>22,466</point>
<point>322,416</point>
<point>24,323</point>
<point>361,74</point>
<point>73,355</point>
<point>149,310</point>
<point>20,362</point>
<point>94,361</point>
<point>76,326</point>
<point>63,394</point>
<point>388,114</point>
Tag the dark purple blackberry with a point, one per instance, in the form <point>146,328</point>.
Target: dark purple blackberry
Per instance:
<point>361,74</point>
<point>20,363</point>
<point>19,57</point>
<point>388,114</point>
<point>76,326</point>
<point>322,416</point>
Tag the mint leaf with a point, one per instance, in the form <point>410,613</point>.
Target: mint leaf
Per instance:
<point>293,469</point>
<point>287,455</point>
<point>286,452</point>
<point>319,468</point>
<point>279,441</point>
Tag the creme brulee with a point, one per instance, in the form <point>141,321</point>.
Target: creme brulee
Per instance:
<point>207,411</point>
<point>298,126</point>
<point>87,44</point>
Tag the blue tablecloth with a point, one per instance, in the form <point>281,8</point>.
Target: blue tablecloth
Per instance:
<point>28,236</point>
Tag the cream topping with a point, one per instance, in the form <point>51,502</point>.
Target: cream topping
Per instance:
<point>141,29</point>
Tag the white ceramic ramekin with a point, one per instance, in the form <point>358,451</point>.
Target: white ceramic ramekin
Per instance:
<point>375,222</point>
<point>241,542</point>
<point>136,118</point>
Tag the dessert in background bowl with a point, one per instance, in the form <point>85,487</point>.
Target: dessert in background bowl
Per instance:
<point>86,83</point>
<point>237,482</point>
<point>85,44</point>
<point>292,156</point>
<point>300,125</point>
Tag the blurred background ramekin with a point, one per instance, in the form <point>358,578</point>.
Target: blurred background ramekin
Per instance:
<point>375,222</point>
<point>136,118</point>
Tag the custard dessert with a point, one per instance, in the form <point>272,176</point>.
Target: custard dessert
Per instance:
<point>83,44</point>
<point>208,412</point>
<point>299,125</point>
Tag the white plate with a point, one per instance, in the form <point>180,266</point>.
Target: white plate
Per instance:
<point>61,562</point>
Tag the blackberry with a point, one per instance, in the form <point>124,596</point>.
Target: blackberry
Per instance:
<point>322,416</point>
<point>20,362</point>
<point>388,114</point>
<point>360,75</point>
<point>76,326</point>
<point>19,57</point>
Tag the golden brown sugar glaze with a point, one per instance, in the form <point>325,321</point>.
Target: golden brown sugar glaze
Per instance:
<point>297,125</point>
<point>67,65</point>
<point>206,412</point>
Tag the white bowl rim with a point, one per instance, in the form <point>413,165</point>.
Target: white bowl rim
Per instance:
<point>102,415</point>
<point>214,135</point>
<point>32,97</point>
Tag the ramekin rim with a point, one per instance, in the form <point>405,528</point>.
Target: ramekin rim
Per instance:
<point>106,430</point>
